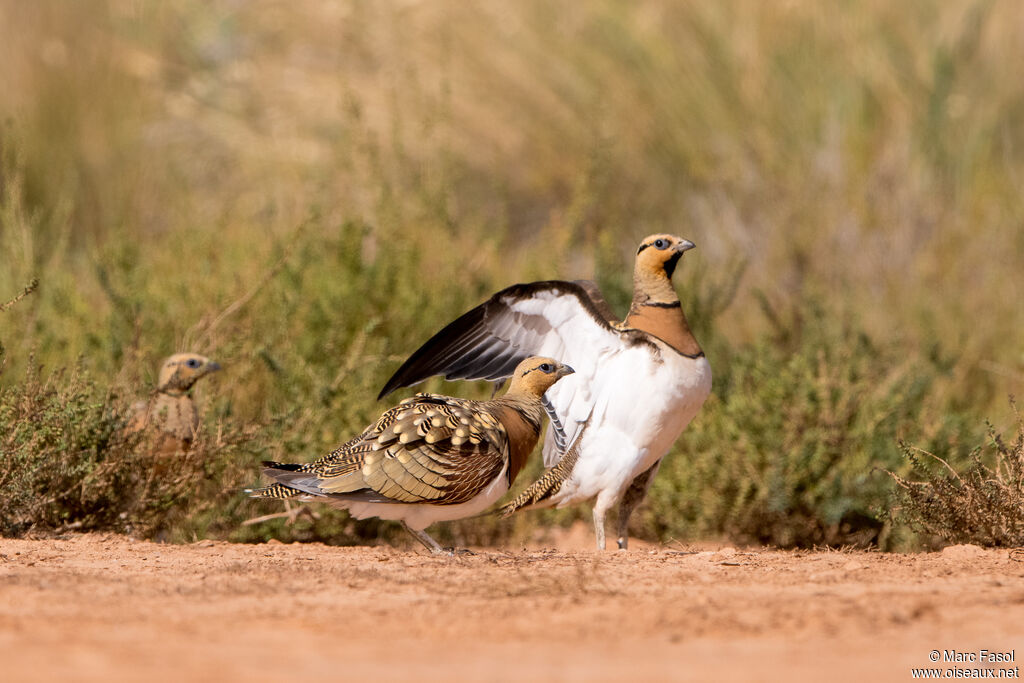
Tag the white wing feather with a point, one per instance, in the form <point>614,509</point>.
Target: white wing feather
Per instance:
<point>561,328</point>
<point>554,318</point>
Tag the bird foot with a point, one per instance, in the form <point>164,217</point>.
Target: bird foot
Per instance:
<point>451,552</point>
<point>290,515</point>
<point>293,513</point>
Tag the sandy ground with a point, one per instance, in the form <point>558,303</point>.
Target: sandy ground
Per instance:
<point>96,607</point>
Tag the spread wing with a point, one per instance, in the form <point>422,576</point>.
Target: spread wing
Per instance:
<point>569,321</point>
<point>428,449</point>
<point>601,304</point>
<point>539,318</point>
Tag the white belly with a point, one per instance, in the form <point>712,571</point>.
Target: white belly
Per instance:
<point>421,515</point>
<point>640,407</point>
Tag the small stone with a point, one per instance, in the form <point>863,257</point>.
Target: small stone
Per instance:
<point>724,554</point>
<point>963,552</point>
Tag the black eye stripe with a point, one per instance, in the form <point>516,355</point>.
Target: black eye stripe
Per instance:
<point>660,243</point>
<point>547,368</point>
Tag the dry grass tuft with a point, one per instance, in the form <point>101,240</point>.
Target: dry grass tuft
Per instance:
<point>981,502</point>
<point>29,288</point>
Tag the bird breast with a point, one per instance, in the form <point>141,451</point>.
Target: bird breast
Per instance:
<point>175,415</point>
<point>636,404</point>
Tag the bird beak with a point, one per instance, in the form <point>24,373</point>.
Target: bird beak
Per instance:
<point>566,370</point>
<point>684,245</point>
<point>212,366</point>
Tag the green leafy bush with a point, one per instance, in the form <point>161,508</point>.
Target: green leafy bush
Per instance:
<point>785,452</point>
<point>66,462</point>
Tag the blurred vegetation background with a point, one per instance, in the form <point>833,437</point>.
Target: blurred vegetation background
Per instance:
<point>305,191</point>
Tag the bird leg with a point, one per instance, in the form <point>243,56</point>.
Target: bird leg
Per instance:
<point>297,511</point>
<point>634,494</point>
<point>291,514</point>
<point>599,511</point>
<point>433,546</point>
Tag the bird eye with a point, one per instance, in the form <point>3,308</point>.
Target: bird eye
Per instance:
<point>660,244</point>
<point>546,367</point>
<point>193,363</point>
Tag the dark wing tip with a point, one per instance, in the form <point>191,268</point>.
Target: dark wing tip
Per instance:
<point>597,299</point>
<point>449,351</point>
<point>420,365</point>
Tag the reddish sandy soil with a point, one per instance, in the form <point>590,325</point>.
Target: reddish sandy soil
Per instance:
<point>107,608</point>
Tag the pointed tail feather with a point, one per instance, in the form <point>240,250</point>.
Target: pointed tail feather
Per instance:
<point>285,466</point>
<point>275,491</point>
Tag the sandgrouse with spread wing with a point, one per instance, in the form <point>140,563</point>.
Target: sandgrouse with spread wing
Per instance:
<point>430,458</point>
<point>171,414</point>
<point>638,383</point>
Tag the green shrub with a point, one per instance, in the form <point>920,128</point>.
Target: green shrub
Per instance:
<point>785,451</point>
<point>62,462</point>
<point>65,463</point>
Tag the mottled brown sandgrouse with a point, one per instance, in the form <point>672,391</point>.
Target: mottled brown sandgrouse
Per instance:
<point>431,458</point>
<point>171,416</point>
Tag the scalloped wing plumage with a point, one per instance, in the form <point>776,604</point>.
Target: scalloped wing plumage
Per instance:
<point>428,449</point>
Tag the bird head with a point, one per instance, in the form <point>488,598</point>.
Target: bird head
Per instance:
<point>536,374</point>
<point>179,372</point>
<point>659,254</point>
